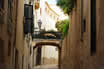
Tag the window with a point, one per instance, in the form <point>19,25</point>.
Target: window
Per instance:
<point>10,13</point>
<point>41,11</point>
<point>2,4</point>
<point>93,26</point>
<point>50,14</point>
<point>9,48</point>
<point>54,17</point>
<point>83,24</point>
<point>83,17</point>
<point>28,18</point>
<point>2,12</point>
<point>56,49</point>
<point>57,19</point>
<point>1,50</point>
<point>75,3</point>
<point>45,9</point>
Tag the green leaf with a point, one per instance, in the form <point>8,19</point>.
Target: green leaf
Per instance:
<point>66,5</point>
<point>63,26</point>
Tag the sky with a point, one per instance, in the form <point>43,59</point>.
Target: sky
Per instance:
<point>51,1</point>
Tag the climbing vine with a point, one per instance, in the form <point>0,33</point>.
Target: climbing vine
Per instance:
<point>63,26</point>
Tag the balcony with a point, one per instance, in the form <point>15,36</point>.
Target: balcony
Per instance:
<point>46,35</point>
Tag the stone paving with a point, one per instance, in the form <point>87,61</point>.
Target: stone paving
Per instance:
<point>46,67</point>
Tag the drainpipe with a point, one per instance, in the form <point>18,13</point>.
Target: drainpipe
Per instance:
<point>59,58</point>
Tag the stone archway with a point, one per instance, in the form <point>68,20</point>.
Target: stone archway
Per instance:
<point>47,43</point>
<point>52,44</point>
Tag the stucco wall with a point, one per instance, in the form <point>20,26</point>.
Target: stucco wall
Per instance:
<point>20,33</point>
<point>49,55</point>
<point>76,53</point>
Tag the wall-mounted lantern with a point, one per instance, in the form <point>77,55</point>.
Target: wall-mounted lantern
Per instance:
<point>37,3</point>
<point>39,24</point>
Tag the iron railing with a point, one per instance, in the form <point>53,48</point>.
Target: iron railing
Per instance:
<point>46,35</point>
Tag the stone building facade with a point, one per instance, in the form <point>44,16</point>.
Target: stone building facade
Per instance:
<point>15,46</point>
<point>51,17</point>
<point>7,33</point>
<point>82,48</point>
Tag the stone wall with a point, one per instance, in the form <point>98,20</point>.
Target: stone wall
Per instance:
<point>14,46</point>
<point>7,36</point>
<point>76,47</point>
<point>49,61</point>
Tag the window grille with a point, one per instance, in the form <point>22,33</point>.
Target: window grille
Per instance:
<point>2,11</point>
<point>10,14</point>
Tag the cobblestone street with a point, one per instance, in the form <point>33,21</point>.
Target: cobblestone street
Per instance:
<point>46,67</point>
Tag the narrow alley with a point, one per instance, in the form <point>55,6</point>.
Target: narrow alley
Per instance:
<point>46,67</point>
<point>51,34</point>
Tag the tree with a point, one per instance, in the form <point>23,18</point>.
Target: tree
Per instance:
<point>60,25</point>
<point>66,5</point>
<point>65,30</point>
<point>63,26</point>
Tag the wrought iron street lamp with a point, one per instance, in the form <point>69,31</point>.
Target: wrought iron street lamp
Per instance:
<point>39,24</point>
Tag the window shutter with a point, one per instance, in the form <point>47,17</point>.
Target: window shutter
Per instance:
<point>1,50</point>
<point>28,14</point>
<point>28,11</point>
<point>2,4</point>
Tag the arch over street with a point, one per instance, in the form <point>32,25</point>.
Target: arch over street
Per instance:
<point>47,43</point>
<point>55,43</point>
